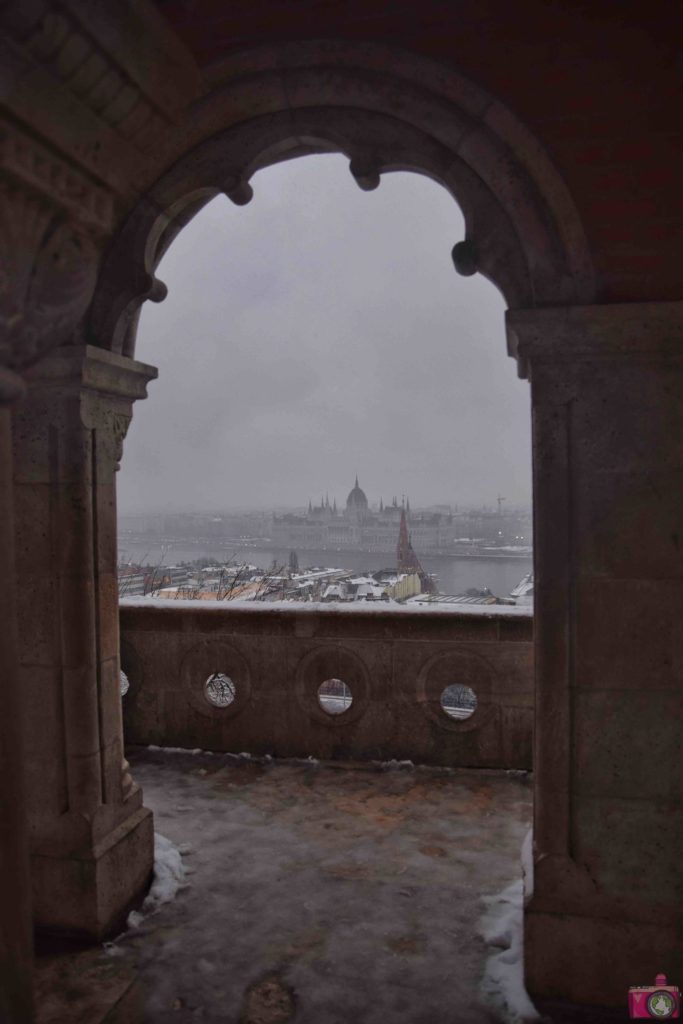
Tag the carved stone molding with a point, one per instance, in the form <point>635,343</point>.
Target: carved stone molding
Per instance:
<point>48,270</point>
<point>385,110</point>
<point>104,387</point>
<point>28,163</point>
<point>119,430</point>
<point>576,334</point>
<point>75,369</point>
<point>110,417</point>
<point>119,60</point>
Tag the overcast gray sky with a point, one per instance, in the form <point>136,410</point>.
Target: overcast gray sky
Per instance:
<point>321,332</point>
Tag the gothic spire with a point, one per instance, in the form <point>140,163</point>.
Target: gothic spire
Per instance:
<point>407,560</point>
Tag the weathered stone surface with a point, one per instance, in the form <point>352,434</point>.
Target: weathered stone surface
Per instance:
<point>572,965</point>
<point>609,701</point>
<point>359,888</point>
<point>16,942</point>
<point>107,116</point>
<point>85,987</point>
<point>395,665</point>
<point>89,893</point>
<point>68,434</point>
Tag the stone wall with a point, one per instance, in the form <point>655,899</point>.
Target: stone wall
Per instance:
<point>396,664</point>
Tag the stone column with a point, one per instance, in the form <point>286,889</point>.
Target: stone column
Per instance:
<point>16,933</point>
<point>607,904</point>
<point>91,838</point>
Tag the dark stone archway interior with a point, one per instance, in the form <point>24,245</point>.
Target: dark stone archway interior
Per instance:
<point>556,127</point>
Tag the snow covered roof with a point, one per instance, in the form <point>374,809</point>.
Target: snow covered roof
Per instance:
<point>368,590</point>
<point>314,607</point>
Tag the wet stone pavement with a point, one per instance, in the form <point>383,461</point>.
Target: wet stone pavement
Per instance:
<point>328,893</point>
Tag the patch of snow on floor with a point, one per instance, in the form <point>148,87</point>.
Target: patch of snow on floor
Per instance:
<point>502,927</point>
<point>169,877</point>
<point>177,750</point>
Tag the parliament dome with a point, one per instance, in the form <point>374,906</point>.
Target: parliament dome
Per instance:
<point>357,499</point>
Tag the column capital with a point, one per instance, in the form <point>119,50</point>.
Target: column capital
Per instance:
<point>78,367</point>
<point>580,334</point>
<point>99,385</point>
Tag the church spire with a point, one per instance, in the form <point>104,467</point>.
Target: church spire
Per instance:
<point>381,505</point>
<point>405,556</point>
<point>407,560</point>
<point>356,479</point>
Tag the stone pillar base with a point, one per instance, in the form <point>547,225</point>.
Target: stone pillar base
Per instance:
<point>594,960</point>
<point>89,894</point>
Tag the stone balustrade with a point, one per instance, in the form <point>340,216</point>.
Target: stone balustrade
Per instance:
<point>239,677</point>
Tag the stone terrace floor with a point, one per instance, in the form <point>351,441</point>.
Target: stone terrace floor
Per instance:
<point>318,893</point>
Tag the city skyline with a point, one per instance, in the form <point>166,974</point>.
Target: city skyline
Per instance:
<point>275,507</point>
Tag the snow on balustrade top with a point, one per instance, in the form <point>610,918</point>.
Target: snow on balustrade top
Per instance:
<point>326,608</point>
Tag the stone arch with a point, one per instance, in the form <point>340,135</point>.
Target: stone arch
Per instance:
<point>386,110</point>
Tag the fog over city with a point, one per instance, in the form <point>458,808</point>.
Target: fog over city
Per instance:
<point>319,333</point>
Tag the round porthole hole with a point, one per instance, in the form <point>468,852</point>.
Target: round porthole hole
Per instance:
<point>220,690</point>
<point>334,696</point>
<point>459,702</point>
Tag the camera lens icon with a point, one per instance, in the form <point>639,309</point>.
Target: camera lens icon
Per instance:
<point>660,1001</point>
<point>661,1005</point>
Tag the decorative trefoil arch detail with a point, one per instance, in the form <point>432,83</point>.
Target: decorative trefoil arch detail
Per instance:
<point>386,110</point>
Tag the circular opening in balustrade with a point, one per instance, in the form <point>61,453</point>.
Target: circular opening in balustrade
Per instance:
<point>124,684</point>
<point>334,696</point>
<point>459,702</point>
<point>220,690</point>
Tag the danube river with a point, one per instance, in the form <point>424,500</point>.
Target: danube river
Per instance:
<point>454,574</point>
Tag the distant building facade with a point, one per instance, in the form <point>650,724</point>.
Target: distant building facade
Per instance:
<point>357,527</point>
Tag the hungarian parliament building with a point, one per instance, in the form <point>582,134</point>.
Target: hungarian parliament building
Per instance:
<point>359,528</point>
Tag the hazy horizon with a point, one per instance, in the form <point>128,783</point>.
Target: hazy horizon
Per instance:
<point>319,333</point>
<point>463,506</point>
